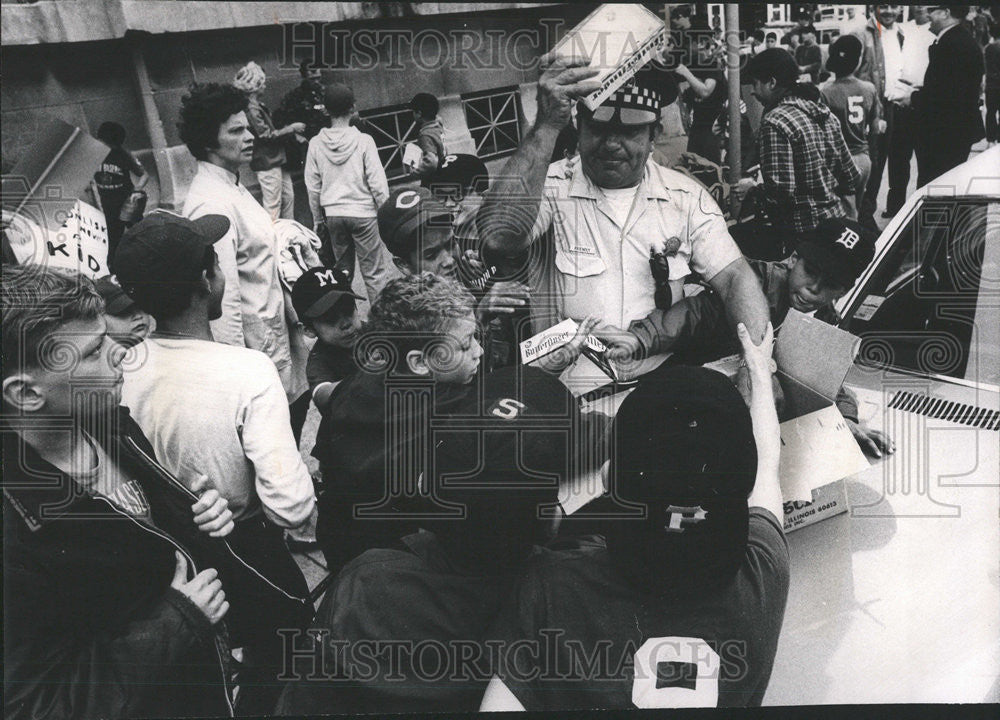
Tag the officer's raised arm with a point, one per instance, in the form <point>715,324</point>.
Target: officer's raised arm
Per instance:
<point>511,205</point>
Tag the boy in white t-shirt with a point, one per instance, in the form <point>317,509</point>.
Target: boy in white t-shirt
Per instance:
<point>220,411</point>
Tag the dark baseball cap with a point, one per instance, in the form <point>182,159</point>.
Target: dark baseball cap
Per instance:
<point>840,250</point>
<point>503,460</point>
<point>845,54</point>
<point>684,449</point>
<point>457,174</point>
<point>318,289</point>
<point>401,217</point>
<point>775,63</point>
<point>116,301</point>
<point>165,247</point>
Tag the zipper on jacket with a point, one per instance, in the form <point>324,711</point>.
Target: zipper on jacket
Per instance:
<point>155,531</point>
<point>134,446</point>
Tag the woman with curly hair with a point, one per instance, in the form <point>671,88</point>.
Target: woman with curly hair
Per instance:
<point>215,128</point>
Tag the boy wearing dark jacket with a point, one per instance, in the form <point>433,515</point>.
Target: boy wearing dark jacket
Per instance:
<point>327,309</point>
<point>109,607</point>
<point>821,270</point>
<point>430,141</point>
<point>421,358</point>
<point>443,586</point>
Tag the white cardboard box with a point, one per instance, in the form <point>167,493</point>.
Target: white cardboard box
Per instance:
<point>817,447</point>
<point>618,39</point>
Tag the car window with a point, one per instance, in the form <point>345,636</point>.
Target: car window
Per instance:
<point>918,310</point>
<point>984,363</point>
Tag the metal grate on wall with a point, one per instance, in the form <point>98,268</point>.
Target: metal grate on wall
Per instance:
<point>951,411</point>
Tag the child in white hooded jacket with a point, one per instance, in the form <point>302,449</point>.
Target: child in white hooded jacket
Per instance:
<point>346,184</point>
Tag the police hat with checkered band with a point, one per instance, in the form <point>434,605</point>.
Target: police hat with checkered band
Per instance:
<point>640,100</point>
<point>839,249</point>
<point>684,451</point>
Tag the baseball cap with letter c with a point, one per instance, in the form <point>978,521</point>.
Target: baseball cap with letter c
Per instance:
<point>401,217</point>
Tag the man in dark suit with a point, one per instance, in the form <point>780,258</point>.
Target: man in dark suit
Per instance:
<point>947,107</point>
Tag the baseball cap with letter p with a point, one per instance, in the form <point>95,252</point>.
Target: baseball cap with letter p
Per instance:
<point>685,451</point>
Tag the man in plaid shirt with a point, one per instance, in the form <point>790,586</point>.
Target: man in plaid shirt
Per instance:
<point>808,171</point>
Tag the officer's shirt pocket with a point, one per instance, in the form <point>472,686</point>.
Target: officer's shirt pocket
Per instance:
<point>578,258</point>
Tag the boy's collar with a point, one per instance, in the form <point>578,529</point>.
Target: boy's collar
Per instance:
<point>38,490</point>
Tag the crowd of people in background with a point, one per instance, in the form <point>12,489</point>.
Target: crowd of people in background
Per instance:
<point>927,74</point>
<point>238,319</point>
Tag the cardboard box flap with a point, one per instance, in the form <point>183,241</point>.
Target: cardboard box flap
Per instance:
<point>815,353</point>
<point>817,447</point>
<point>53,173</point>
<point>618,39</point>
<point>797,398</point>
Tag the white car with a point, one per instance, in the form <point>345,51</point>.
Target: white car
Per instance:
<point>898,600</point>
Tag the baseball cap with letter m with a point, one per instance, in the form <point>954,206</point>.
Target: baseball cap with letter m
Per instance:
<point>319,289</point>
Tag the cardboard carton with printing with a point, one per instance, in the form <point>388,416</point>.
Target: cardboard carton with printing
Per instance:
<point>45,218</point>
<point>618,39</point>
<point>817,448</point>
<point>591,372</point>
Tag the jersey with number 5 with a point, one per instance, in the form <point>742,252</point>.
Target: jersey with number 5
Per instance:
<point>577,635</point>
<point>855,103</point>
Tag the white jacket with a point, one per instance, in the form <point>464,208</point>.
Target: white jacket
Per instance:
<point>343,175</point>
<point>253,306</point>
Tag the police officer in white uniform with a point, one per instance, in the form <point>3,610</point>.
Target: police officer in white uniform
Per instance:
<point>591,229</point>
